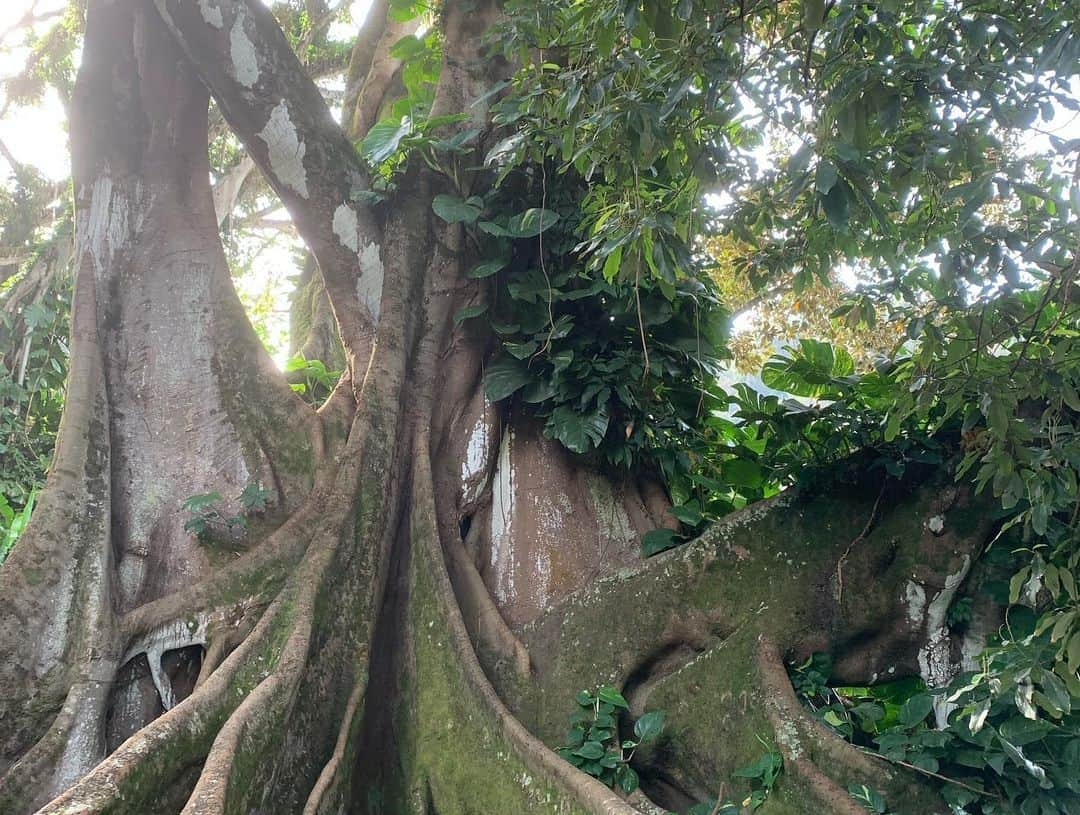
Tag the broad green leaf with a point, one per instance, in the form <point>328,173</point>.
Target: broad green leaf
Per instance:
<point>658,540</point>
<point>504,377</point>
<point>578,432</point>
<point>487,268</point>
<point>469,312</point>
<point>650,725</point>
<point>612,697</point>
<point>384,138</point>
<point>454,210</point>
<point>531,223</point>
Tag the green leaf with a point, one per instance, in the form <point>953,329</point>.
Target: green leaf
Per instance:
<point>612,697</point>
<point>650,725</point>
<point>469,312</point>
<point>627,778</point>
<point>689,513</point>
<point>384,138</point>
<point>407,47</point>
<point>612,263</point>
<point>578,432</point>
<point>521,350</point>
<point>658,540</point>
<point>531,223</point>
<point>837,205</point>
<point>454,210</point>
<point>492,228</point>
<point>504,377</point>
<point>826,176</point>
<point>487,268</point>
<point>742,472</point>
<point>916,709</point>
<point>590,749</point>
<point>201,501</point>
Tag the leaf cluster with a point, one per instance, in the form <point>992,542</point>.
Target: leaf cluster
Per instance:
<point>207,516</point>
<point>593,743</point>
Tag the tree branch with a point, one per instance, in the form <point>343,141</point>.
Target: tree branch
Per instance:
<point>279,114</point>
<point>372,69</point>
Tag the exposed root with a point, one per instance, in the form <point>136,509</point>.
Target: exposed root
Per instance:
<point>169,637</point>
<point>329,776</point>
<point>592,795</point>
<point>151,759</point>
<point>799,736</point>
<point>485,623</point>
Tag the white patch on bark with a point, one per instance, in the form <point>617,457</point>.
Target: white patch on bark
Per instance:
<point>285,149</point>
<point>168,637</point>
<point>106,223</point>
<point>346,226</point>
<point>473,466</point>
<point>915,600</point>
<point>502,516</point>
<point>211,14</point>
<point>788,736</point>
<point>936,524</point>
<point>245,59</point>
<point>370,284</point>
<point>935,658</point>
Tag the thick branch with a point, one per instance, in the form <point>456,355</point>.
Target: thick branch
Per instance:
<point>280,115</point>
<point>372,69</point>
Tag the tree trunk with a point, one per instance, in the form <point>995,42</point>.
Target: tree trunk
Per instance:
<point>404,627</point>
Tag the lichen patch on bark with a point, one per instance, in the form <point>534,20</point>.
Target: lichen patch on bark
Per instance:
<point>211,13</point>
<point>285,148</point>
<point>245,59</point>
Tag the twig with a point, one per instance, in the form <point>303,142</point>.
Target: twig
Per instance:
<point>858,538</point>
<point>930,773</point>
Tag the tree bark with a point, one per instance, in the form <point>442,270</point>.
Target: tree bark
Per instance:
<point>405,627</point>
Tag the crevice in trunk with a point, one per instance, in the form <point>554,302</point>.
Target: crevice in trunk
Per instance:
<point>378,780</point>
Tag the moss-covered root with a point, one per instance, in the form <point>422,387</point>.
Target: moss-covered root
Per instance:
<point>818,759</point>
<point>455,723</point>
<point>733,702</point>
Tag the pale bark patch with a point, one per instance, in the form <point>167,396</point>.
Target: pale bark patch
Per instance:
<point>346,226</point>
<point>502,514</point>
<point>474,464</point>
<point>286,151</point>
<point>915,603</point>
<point>245,59</point>
<point>211,14</point>
<point>370,285</point>
<point>169,637</point>
<point>106,222</point>
<point>935,657</point>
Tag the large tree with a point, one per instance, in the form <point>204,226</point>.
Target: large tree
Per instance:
<point>427,574</point>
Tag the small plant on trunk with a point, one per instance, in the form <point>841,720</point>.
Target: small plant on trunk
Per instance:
<point>593,744</point>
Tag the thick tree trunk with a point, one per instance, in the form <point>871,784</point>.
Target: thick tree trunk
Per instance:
<point>405,627</point>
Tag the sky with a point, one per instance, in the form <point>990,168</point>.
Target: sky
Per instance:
<point>34,135</point>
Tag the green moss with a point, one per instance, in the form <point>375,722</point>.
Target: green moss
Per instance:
<point>457,755</point>
<point>715,723</point>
